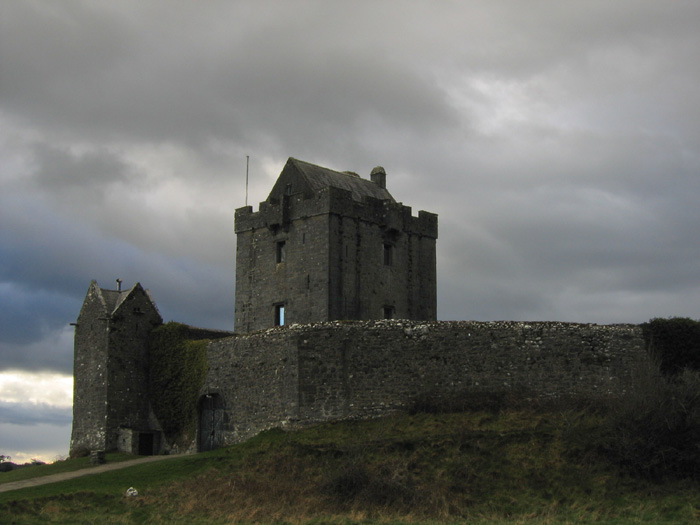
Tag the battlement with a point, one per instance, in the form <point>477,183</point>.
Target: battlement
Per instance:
<point>277,213</point>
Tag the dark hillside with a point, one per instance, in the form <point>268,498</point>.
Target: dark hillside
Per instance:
<point>534,465</point>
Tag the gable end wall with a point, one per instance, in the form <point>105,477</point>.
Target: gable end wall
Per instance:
<point>91,342</point>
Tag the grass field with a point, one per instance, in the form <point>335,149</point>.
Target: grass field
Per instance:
<point>521,466</point>
<point>58,467</point>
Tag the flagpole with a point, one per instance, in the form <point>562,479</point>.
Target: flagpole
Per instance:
<point>247,159</point>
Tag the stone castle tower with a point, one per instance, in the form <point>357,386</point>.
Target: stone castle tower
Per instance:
<point>111,371</point>
<point>329,245</point>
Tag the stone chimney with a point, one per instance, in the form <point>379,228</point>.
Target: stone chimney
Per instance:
<point>378,176</point>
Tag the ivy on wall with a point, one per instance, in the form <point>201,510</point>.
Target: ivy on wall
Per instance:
<point>177,371</point>
<point>675,342</point>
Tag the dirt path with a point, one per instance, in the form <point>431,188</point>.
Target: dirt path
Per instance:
<point>53,478</point>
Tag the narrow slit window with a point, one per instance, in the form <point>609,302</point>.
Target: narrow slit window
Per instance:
<point>388,254</point>
<point>279,315</point>
<point>281,252</point>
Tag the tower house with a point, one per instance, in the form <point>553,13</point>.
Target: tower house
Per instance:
<point>110,400</point>
<point>329,245</point>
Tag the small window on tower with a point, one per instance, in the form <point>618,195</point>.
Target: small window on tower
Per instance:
<point>279,315</point>
<point>388,254</point>
<point>288,189</point>
<point>388,312</point>
<point>281,252</point>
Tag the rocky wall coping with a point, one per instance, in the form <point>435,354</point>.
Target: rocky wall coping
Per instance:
<point>413,328</point>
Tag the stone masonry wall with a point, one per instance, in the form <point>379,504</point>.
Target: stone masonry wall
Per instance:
<point>300,282</point>
<point>90,383</point>
<point>127,365</point>
<point>301,374</point>
<point>256,377</point>
<point>334,264</point>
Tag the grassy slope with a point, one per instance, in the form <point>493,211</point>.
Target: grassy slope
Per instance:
<point>513,466</point>
<point>38,471</point>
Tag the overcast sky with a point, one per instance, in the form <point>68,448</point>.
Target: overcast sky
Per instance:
<point>558,141</point>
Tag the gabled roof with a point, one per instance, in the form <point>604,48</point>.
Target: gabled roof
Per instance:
<point>316,178</point>
<point>113,299</point>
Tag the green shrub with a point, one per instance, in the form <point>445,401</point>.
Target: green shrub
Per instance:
<point>675,342</point>
<point>177,371</point>
<point>654,430</point>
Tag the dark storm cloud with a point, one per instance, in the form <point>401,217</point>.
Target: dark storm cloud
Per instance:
<point>47,260</point>
<point>34,414</point>
<point>46,264</point>
<point>43,441</point>
<point>28,315</point>
<point>542,124</point>
<point>59,171</point>
<point>250,79</point>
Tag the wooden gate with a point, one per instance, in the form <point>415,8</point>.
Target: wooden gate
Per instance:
<point>211,420</point>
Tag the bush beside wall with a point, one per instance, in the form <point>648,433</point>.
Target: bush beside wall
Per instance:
<point>177,370</point>
<point>675,342</point>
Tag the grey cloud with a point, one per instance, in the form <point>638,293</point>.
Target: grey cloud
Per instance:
<point>47,262</point>
<point>33,414</point>
<point>29,315</point>
<point>45,441</point>
<point>192,89</point>
<point>59,171</point>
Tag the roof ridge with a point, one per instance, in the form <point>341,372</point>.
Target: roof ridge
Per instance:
<point>100,295</point>
<point>123,294</point>
<point>321,167</point>
<point>317,177</point>
<point>347,173</point>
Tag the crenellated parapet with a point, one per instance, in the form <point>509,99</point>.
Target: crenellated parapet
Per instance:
<point>387,214</point>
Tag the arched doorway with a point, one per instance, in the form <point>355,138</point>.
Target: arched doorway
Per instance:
<point>211,422</point>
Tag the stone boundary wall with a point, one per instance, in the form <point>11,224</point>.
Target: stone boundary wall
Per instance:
<point>256,378</point>
<point>301,374</point>
<point>195,333</point>
<point>383,366</point>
